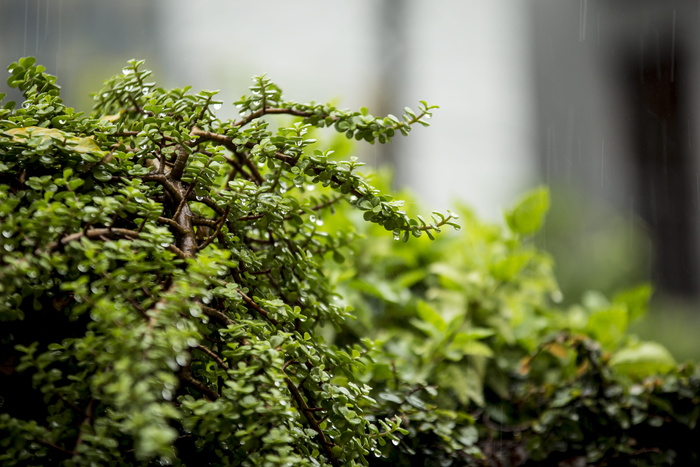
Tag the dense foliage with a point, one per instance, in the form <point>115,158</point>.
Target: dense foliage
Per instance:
<point>180,289</point>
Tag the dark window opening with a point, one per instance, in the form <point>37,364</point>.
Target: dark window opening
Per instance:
<point>661,161</point>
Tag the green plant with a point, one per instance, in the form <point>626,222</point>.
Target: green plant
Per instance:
<point>162,276</point>
<point>178,289</point>
<point>470,326</point>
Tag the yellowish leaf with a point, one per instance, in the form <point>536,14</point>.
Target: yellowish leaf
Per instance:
<point>81,144</point>
<point>112,118</point>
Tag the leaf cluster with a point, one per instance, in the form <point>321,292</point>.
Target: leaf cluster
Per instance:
<point>499,373</point>
<point>163,280</point>
<point>180,289</point>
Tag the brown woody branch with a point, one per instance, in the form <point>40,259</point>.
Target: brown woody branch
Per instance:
<point>105,234</point>
<point>273,110</point>
<point>180,163</point>
<point>309,415</point>
<point>172,223</point>
<point>214,357</point>
<point>257,307</point>
<point>63,451</point>
<point>216,315</point>
<point>227,142</point>
<point>207,201</point>
<point>186,376</point>
<point>211,238</point>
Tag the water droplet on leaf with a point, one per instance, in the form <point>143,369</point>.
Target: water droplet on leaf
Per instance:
<point>182,359</point>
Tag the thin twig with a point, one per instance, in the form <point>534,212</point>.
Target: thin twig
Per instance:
<point>172,224</point>
<point>273,110</point>
<point>215,357</point>
<point>211,238</point>
<point>93,234</point>
<point>308,414</point>
<point>256,307</point>
<point>186,376</point>
<point>63,451</point>
<point>180,163</point>
<point>217,315</point>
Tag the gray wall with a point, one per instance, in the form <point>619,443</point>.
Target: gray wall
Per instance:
<point>470,57</point>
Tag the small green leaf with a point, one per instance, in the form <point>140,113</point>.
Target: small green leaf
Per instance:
<point>529,213</point>
<point>428,314</point>
<point>644,359</point>
<point>636,299</point>
<point>609,325</point>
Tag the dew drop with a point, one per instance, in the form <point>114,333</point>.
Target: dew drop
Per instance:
<point>557,296</point>
<point>167,394</point>
<point>216,106</point>
<point>182,359</point>
<point>310,187</point>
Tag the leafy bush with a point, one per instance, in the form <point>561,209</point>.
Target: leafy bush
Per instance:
<point>178,289</point>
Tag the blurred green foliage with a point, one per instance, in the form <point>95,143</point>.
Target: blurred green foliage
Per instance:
<point>178,289</point>
<point>602,247</point>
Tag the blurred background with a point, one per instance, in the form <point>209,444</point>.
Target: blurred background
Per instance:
<point>595,98</point>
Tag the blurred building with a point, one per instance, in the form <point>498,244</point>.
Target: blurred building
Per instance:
<point>618,117</point>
